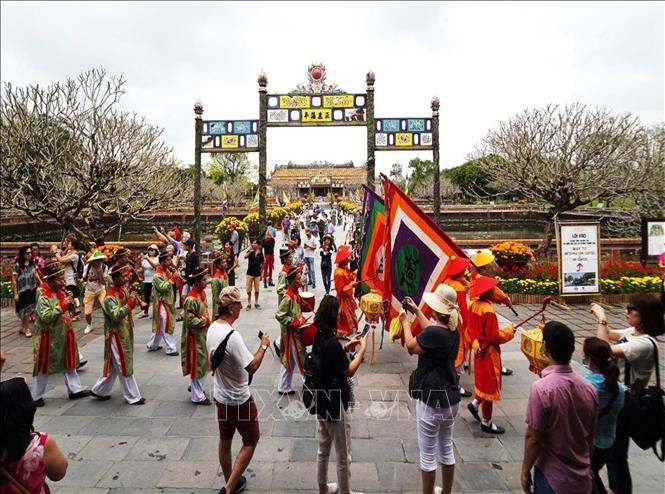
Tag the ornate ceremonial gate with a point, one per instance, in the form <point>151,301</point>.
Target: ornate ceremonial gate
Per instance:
<point>315,104</point>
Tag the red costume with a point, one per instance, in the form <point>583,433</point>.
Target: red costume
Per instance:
<point>460,284</point>
<point>344,288</point>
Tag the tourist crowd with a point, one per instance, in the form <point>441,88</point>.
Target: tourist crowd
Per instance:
<point>576,425</point>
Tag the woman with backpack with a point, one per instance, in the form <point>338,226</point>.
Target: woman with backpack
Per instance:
<point>635,345</point>
<point>604,376</point>
<point>332,402</point>
<point>435,386</point>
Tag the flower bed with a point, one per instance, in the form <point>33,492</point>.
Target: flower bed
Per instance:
<point>624,285</point>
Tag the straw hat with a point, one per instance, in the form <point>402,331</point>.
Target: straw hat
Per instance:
<point>197,273</point>
<point>97,256</point>
<point>443,300</point>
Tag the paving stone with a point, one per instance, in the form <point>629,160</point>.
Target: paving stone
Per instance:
<point>113,448</point>
<point>292,476</point>
<point>159,449</point>
<point>190,427</point>
<point>477,477</point>
<point>133,474</point>
<point>128,426</point>
<point>393,477</point>
<point>76,490</point>
<point>294,429</point>
<point>273,449</point>
<point>305,450</point>
<point>70,445</point>
<point>189,474</point>
<point>63,424</point>
<point>514,444</point>
<point>202,448</point>
<point>259,477</point>
<point>377,449</point>
<point>480,449</point>
<point>85,474</point>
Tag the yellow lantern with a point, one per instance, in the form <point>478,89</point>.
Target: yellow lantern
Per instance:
<point>372,306</point>
<point>533,349</point>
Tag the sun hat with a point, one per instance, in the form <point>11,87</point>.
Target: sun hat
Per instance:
<point>153,247</point>
<point>443,300</point>
<point>481,285</point>
<point>229,295</point>
<point>483,258</point>
<point>97,256</point>
<point>456,265</point>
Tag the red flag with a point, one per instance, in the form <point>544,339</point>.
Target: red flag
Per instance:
<point>417,250</point>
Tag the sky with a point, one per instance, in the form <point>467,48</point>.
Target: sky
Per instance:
<point>485,61</point>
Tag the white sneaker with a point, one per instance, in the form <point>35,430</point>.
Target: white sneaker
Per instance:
<point>438,490</point>
<point>333,488</point>
<point>87,330</point>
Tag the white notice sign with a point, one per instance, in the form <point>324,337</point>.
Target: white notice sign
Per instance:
<point>579,258</point>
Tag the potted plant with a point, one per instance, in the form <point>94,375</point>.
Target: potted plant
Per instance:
<point>511,256</point>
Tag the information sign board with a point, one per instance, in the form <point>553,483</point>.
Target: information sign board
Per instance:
<point>578,246</point>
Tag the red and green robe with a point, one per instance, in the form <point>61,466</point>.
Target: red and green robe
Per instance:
<point>486,338</point>
<point>217,284</point>
<point>282,283</point>
<point>348,320</point>
<point>54,345</point>
<point>193,354</point>
<point>118,326</point>
<point>289,316</point>
<point>162,296</point>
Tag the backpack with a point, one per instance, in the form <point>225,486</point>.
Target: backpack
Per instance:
<point>646,412</point>
<point>314,382</point>
<point>80,266</point>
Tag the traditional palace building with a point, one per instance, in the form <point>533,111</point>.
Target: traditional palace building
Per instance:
<point>318,178</point>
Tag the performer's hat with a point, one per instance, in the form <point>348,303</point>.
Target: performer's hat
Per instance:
<point>482,285</point>
<point>97,256</point>
<point>456,265</point>
<point>483,258</point>
<point>116,270</point>
<point>442,300</point>
<point>343,253</point>
<point>197,273</point>
<point>53,270</point>
<point>229,295</point>
<point>120,252</point>
<point>284,252</point>
<point>292,273</point>
<point>163,255</point>
<point>218,257</point>
<point>153,247</point>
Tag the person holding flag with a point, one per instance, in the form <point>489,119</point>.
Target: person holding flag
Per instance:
<point>345,285</point>
<point>454,277</point>
<point>193,353</point>
<point>486,340</point>
<point>119,340</point>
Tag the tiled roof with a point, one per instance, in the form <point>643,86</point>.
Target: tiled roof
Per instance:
<point>351,175</point>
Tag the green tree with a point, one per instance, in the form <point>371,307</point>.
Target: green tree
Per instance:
<point>471,179</point>
<point>228,166</point>
<point>397,175</point>
<point>420,177</point>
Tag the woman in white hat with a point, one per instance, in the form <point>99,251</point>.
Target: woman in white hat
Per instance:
<point>436,387</point>
<point>94,275</point>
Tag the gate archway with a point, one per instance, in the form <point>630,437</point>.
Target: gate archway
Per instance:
<point>316,103</point>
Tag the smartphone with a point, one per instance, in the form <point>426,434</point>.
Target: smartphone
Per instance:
<point>365,331</point>
<point>405,306</point>
<point>260,334</point>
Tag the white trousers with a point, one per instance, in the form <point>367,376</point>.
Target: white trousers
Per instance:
<point>286,375</point>
<point>435,435</point>
<point>198,389</point>
<point>40,381</point>
<point>103,386</point>
<point>169,339</point>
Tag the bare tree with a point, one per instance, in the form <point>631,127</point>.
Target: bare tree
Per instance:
<point>70,158</point>
<point>565,158</point>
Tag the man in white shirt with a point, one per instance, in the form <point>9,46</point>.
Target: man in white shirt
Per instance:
<point>236,409</point>
<point>309,246</point>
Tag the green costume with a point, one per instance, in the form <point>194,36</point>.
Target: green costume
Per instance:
<point>118,325</point>
<point>282,283</point>
<point>217,284</point>
<point>290,319</point>
<point>54,345</point>
<point>193,353</point>
<point>162,296</point>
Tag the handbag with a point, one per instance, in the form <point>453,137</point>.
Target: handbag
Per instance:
<point>646,412</point>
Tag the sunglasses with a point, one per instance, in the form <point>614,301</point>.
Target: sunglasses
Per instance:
<point>630,308</point>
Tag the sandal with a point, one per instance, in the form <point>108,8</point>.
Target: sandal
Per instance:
<point>27,334</point>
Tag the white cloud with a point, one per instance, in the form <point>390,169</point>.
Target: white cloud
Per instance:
<point>486,61</point>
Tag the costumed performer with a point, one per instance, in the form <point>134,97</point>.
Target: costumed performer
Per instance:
<point>196,319</point>
<point>220,279</point>
<point>487,338</point>
<point>289,316</point>
<point>54,344</point>
<point>455,277</point>
<point>163,305</point>
<point>119,340</point>
<point>345,284</point>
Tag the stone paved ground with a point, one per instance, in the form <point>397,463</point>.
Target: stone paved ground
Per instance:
<point>170,446</point>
